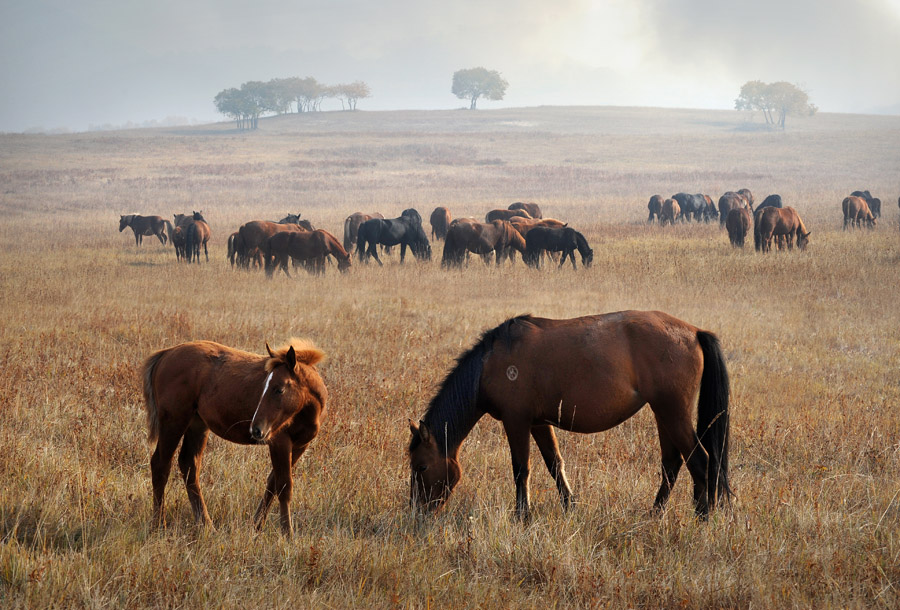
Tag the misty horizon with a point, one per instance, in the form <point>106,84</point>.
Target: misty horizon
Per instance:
<point>95,66</point>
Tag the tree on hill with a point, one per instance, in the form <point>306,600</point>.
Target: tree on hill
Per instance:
<point>351,93</point>
<point>474,83</point>
<point>775,100</point>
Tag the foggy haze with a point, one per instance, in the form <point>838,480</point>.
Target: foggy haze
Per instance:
<point>78,64</point>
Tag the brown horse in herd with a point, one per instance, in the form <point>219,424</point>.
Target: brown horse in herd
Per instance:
<point>533,209</point>
<point>670,212</point>
<point>654,206</point>
<point>440,223</point>
<point>582,375</point>
<point>771,223</point>
<point>505,215</point>
<point>856,212</point>
<point>498,236</point>
<point>308,248</point>
<point>254,235</point>
<point>145,225</point>
<point>738,225</point>
<point>351,227</point>
<point>245,398</point>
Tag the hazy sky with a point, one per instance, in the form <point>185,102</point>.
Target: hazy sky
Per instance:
<point>75,63</point>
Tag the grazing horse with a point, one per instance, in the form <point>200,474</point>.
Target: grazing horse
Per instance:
<point>145,225</point>
<point>404,231</point>
<point>310,248</point>
<point>874,203</point>
<point>565,240</point>
<point>748,197</point>
<point>524,225</point>
<point>738,224</point>
<point>505,215</point>
<point>770,222</point>
<point>671,212</point>
<point>695,206</point>
<point>245,398</point>
<point>856,211</point>
<point>351,227</point>
<point>582,375</point>
<point>256,233</point>
<point>772,201</point>
<point>655,206</point>
<point>532,208</point>
<point>730,201</point>
<point>440,223</point>
<point>196,235</point>
<point>498,237</point>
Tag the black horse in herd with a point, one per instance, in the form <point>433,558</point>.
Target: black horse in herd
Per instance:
<point>405,231</point>
<point>565,240</point>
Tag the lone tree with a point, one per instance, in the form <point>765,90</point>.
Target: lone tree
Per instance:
<point>478,82</point>
<point>775,100</point>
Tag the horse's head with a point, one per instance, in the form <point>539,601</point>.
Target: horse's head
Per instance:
<point>292,383</point>
<point>124,221</point>
<point>587,258</point>
<point>432,474</point>
<point>198,216</point>
<point>343,263</point>
<point>803,239</point>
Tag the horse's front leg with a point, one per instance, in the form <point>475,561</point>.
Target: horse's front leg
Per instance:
<point>402,251</point>
<point>279,483</point>
<point>545,438</point>
<point>519,447</point>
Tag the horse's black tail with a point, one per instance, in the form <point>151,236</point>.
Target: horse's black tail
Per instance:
<point>757,238</point>
<point>170,230</point>
<point>149,398</point>
<point>713,417</point>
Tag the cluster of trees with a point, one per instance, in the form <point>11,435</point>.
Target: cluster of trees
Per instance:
<point>775,100</point>
<point>284,95</point>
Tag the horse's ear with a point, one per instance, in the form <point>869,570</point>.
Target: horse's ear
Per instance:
<point>413,428</point>
<point>290,358</point>
<point>425,432</point>
<point>269,349</point>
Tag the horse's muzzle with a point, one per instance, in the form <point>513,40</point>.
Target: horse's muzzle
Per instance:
<point>256,434</point>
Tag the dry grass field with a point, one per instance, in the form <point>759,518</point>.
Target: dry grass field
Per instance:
<point>811,340</point>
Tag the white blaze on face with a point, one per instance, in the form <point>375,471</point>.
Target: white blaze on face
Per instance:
<point>265,389</point>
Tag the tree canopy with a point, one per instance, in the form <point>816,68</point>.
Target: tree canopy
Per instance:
<point>474,83</point>
<point>282,95</point>
<point>775,100</point>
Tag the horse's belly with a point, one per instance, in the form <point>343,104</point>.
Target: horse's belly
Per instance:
<point>589,416</point>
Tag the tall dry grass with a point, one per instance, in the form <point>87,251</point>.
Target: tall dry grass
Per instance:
<point>811,342</point>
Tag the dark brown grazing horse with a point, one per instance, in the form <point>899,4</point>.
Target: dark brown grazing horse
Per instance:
<point>256,233</point>
<point>351,227</point>
<point>505,215</point>
<point>738,225</point>
<point>670,211</point>
<point>532,208</point>
<point>145,225</point>
<point>730,201</point>
<point>583,375</point>
<point>856,212</point>
<point>276,400</point>
<point>440,223</point>
<point>308,248</point>
<point>655,207</point>
<point>772,223</point>
<point>480,238</point>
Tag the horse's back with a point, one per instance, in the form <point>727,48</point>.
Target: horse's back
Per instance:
<point>589,374</point>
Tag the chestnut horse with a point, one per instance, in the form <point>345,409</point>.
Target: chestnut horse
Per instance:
<point>275,400</point>
<point>440,223</point>
<point>856,211</point>
<point>582,375</point>
<point>771,223</point>
<point>351,227</point>
<point>532,208</point>
<point>256,233</point>
<point>196,235</point>
<point>480,238</point>
<point>505,215</point>
<point>308,248</point>
<point>670,212</point>
<point>145,225</point>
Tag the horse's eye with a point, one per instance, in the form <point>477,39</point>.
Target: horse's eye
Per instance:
<point>278,391</point>
<point>421,467</point>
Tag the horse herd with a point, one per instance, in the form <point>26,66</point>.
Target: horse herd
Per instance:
<point>584,375</point>
<point>522,228</point>
<point>771,221</point>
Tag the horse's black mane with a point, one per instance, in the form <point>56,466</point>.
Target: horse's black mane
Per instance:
<point>453,411</point>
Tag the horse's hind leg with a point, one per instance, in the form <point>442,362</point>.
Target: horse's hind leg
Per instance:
<point>189,460</point>
<point>671,465</point>
<point>545,438</point>
<point>205,251</point>
<point>160,467</point>
<point>676,433</point>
